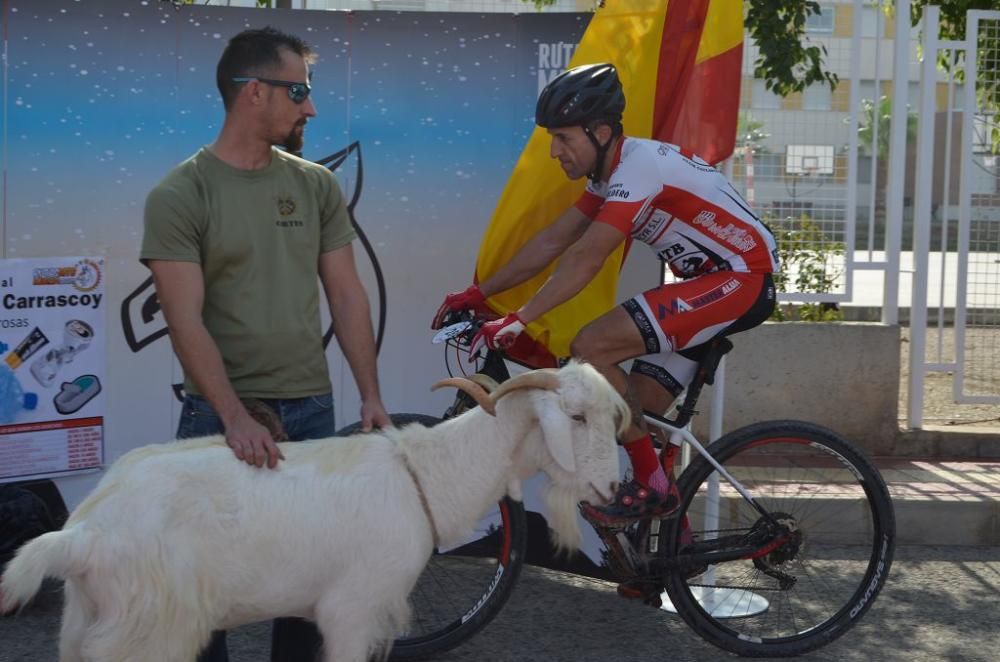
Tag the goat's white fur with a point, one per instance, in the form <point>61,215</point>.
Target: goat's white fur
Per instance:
<point>180,539</point>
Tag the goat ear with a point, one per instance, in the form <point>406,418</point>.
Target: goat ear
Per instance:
<point>557,430</point>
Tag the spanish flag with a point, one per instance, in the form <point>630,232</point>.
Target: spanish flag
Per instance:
<point>680,65</point>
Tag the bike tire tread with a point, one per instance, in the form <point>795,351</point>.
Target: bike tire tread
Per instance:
<point>879,497</point>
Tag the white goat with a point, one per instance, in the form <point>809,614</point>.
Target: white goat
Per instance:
<point>181,539</point>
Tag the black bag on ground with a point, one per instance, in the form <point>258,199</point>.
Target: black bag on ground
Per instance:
<point>23,515</point>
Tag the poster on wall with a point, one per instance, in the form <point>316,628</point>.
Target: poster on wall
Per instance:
<point>52,366</point>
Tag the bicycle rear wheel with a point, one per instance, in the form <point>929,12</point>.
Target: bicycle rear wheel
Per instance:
<point>465,586</point>
<point>818,577</point>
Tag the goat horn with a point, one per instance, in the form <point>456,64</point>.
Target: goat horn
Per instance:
<point>477,392</point>
<point>485,381</point>
<point>544,379</point>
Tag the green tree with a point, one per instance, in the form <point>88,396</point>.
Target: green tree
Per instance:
<point>750,133</point>
<point>786,60</point>
<point>880,115</point>
<point>810,262</point>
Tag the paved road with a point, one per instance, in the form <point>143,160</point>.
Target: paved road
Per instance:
<point>940,604</point>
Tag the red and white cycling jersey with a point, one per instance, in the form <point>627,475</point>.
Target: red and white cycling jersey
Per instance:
<point>683,207</point>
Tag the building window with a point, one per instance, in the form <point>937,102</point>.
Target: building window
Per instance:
<point>764,98</point>
<point>817,97</point>
<point>821,22</point>
<point>872,22</point>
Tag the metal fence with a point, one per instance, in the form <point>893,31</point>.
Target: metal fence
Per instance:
<point>957,189</point>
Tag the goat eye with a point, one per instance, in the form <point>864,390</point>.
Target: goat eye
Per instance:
<point>579,418</point>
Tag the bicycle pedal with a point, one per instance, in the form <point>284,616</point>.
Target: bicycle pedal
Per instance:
<point>648,592</point>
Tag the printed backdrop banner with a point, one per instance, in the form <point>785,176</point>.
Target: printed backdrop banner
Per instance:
<point>53,370</point>
<point>679,62</point>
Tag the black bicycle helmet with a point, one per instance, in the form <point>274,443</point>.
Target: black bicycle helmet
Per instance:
<point>581,95</point>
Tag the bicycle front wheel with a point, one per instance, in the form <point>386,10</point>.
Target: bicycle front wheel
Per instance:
<point>793,592</point>
<point>463,587</point>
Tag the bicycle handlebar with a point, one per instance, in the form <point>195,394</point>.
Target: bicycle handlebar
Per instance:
<point>460,327</point>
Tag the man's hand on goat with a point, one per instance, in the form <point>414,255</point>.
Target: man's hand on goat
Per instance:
<point>373,414</point>
<point>252,442</point>
<point>468,298</point>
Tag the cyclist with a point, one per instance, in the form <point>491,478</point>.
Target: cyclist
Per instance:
<point>697,223</point>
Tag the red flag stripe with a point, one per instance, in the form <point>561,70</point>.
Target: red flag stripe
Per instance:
<point>708,119</point>
<point>682,29</point>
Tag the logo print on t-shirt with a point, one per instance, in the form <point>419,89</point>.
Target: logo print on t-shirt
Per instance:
<point>691,264</point>
<point>286,206</point>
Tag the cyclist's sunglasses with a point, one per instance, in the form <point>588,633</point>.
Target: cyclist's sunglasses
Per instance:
<point>297,92</point>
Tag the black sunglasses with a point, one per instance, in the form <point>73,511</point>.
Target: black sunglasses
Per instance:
<point>297,92</point>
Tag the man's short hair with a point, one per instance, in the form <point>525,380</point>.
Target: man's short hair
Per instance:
<point>254,52</point>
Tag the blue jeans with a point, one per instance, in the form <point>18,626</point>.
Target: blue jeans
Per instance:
<point>292,639</point>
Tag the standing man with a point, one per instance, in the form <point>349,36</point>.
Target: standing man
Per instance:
<point>235,237</point>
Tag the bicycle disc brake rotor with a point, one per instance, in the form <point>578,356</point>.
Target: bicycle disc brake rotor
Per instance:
<point>781,550</point>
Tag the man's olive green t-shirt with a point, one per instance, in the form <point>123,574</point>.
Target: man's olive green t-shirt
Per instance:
<point>257,235</point>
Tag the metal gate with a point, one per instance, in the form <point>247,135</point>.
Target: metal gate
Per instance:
<point>962,194</point>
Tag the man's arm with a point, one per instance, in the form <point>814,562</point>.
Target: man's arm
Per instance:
<point>578,266</point>
<point>548,244</point>
<point>180,287</point>
<point>353,327</point>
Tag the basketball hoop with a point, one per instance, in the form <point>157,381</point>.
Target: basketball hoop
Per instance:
<point>810,165</point>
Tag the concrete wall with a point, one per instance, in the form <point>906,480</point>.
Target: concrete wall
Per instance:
<point>844,375</point>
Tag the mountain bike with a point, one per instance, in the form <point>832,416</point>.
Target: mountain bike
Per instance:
<point>783,539</point>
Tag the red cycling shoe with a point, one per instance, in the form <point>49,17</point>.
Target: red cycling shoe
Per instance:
<point>632,503</point>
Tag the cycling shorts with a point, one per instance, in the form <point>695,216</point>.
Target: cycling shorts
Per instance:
<point>677,319</point>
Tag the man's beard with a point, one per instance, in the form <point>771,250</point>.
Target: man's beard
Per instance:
<point>293,142</point>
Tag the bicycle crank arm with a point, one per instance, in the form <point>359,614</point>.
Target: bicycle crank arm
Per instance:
<point>622,557</point>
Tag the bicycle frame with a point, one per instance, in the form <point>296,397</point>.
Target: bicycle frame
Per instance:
<point>682,435</point>
<point>684,558</point>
